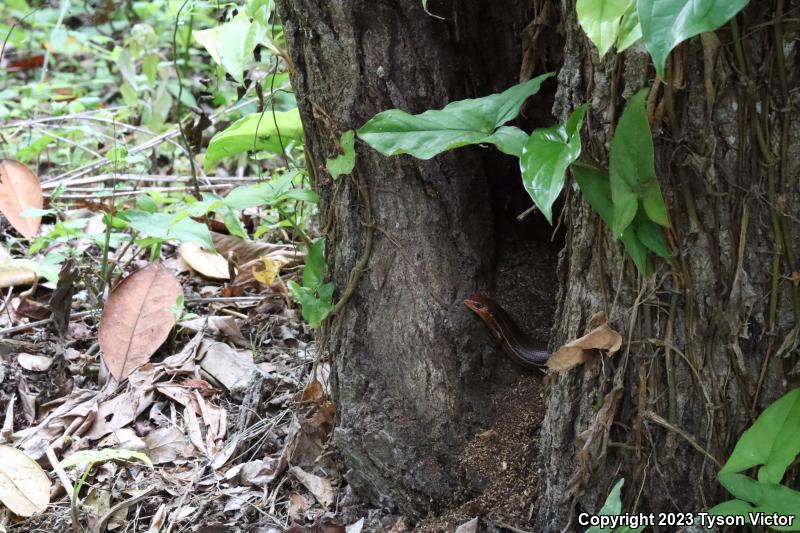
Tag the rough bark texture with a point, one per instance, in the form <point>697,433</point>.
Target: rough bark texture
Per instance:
<point>699,332</point>
<point>412,379</point>
<point>412,382</point>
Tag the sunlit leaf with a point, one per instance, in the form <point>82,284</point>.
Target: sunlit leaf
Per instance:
<point>275,132</point>
<point>601,20</point>
<point>667,23</point>
<point>163,226</point>
<point>84,458</point>
<point>316,303</point>
<point>630,31</point>
<point>545,158</point>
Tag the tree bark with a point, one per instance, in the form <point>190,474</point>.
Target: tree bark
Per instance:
<point>415,378</point>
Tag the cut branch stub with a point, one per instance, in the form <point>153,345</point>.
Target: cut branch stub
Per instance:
<point>137,318</point>
<point>20,190</point>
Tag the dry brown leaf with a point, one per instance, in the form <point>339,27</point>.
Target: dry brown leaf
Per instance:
<point>224,325</point>
<point>581,350</point>
<point>24,487</point>
<point>246,251</point>
<point>34,363</point>
<point>168,444</point>
<point>265,275</point>
<point>137,318</point>
<point>209,264</point>
<point>318,486</point>
<point>14,272</point>
<point>20,190</point>
<point>298,505</point>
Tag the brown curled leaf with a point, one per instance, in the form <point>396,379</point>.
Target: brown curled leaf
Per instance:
<point>579,351</point>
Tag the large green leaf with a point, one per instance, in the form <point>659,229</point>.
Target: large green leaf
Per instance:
<point>509,140</point>
<point>460,123</point>
<point>594,184</point>
<point>771,441</point>
<point>166,227</point>
<point>651,235</point>
<point>601,20</point>
<point>768,498</point>
<point>315,303</point>
<point>667,23</point>
<point>275,132</point>
<point>83,458</point>
<point>632,168</point>
<point>231,44</point>
<point>546,157</point>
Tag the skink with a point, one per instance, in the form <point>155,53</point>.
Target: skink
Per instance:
<point>515,343</point>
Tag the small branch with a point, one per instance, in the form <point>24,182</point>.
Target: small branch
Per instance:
<point>650,415</point>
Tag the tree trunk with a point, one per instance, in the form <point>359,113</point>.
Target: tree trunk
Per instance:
<point>416,378</point>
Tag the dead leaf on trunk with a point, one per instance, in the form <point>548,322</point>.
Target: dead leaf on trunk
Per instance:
<point>586,348</point>
<point>137,318</point>
<point>20,190</point>
<point>24,487</point>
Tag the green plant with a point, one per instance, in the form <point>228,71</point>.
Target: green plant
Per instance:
<point>611,508</point>
<point>771,445</point>
<point>315,296</point>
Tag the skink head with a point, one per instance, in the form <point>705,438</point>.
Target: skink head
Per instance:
<point>482,305</point>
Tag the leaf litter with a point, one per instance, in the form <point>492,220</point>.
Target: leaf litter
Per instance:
<point>229,404</point>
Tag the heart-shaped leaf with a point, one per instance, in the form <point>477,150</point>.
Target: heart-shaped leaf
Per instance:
<point>343,164</point>
<point>460,123</point>
<point>545,158</point>
<point>771,441</point>
<point>137,318</point>
<point>20,190</point>
<point>667,23</point>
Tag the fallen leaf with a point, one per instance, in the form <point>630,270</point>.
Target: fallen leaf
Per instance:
<point>24,487</point>
<point>209,264</point>
<point>246,251</point>
<point>468,527</point>
<point>298,505</point>
<point>14,272</point>
<point>318,486</point>
<point>165,445</point>
<point>137,318</point>
<point>34,363</point>
<point>581,350</point>
<point>225,325</point>
<point>266,275</point>
<point>20,190</point>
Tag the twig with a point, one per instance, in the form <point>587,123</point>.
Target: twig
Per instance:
<point>43,322</point>
<point>650,415</point>
<point>153,178</point>
<point>67,484</point>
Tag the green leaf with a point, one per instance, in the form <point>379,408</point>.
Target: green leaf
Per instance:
<point>85,458</point>
<point>260,194</point>
<point>316,303</point>
<point>630,31</point>
<point>241,136</point>
<point>33,149</point>
<point>667,23</point>
<point>509,140</point>
<point>651,235</point>
<point>545,158</point>
<point>613,506</point>
<point>127,68</point>
<point>460,123</point>
<point>163,226</point>
<point>601,20</point>
<point>632,168</point>
<point>314,271</point>
<point>768,498</point>
<point>345,163</point>
<point>594,184</point>
<point>150,68</point>
<point>235,44</point>
<point>771,440</point>
<point>208,39</point>
<point>731,507</point>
